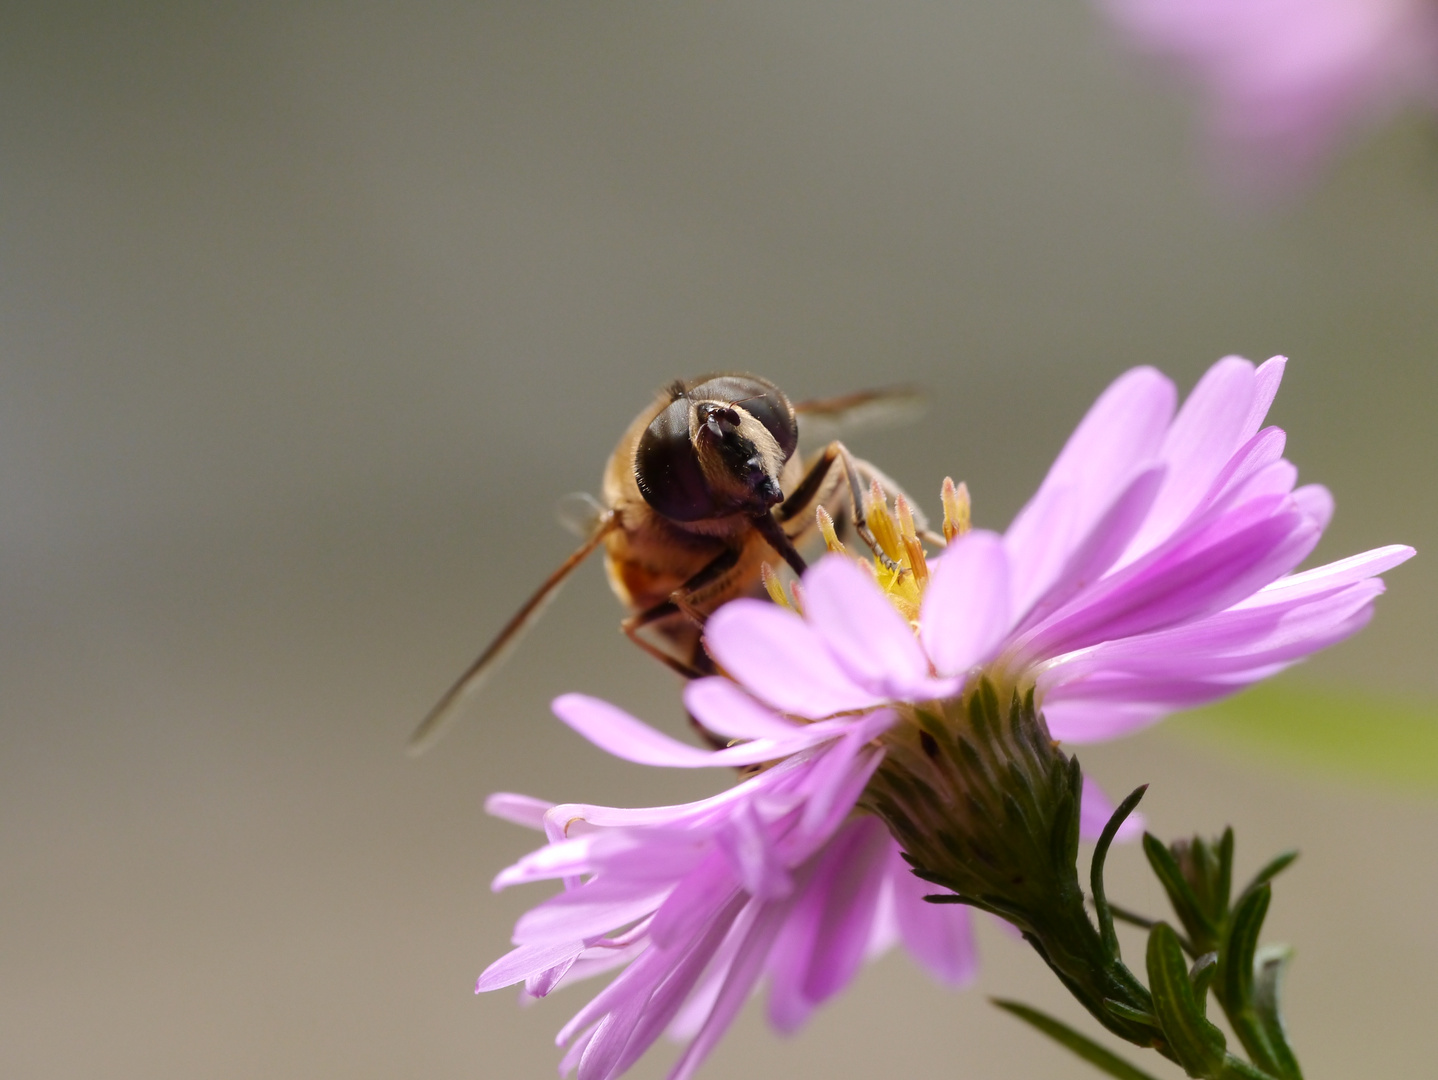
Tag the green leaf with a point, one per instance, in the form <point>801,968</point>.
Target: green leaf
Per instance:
<point>1223,888</point>
<point>1180,894</point>
<point>1243,944</point>
<point>1129,1013</point>
<point>1346,733</point>
<point>1200,975</point>
<point>1084,1047</point>
<point>1235,989</point>
<point>1269,966</point>
<point>1199,1046</point>
<point>1275,866</point>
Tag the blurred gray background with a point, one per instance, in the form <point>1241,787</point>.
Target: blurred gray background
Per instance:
<point>309,313</point>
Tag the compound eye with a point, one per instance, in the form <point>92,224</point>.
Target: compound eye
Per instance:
<point>666,467</point>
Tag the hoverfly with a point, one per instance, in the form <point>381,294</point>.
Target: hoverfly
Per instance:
<point>703,491</point>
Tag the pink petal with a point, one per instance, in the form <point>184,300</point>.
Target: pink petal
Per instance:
<point>1265,386</point>
<point>787,1009</point>
<point>660,978</point>
<point>744,972</point>
<point>1123,431</point>
<point>1238,639</point>
<point>519,809</point>
<point>726,710</point>
<point>569,818</point>
<point>846,890</point>
<point>1207,571</point>
<point>542,983</point>
<point>589,911</point>
<point>966,606</point>
<point>1092,556</point>
<point>649,994</point>
<point>861,628</point>
<point>1259,452</point>
<point>695,900</point>
<point>690,1017</point>
<point>825,937</point>
<point>1081,722</point>
<point>938,936</point>
<point>1316,503</point>
<point>1332,575</point>
<point>1204,435</point>
<point>519,964</point>
<point>567,858</point>
<point>612,729</point>
<point>752,855</point>
<point>780,659</point>
<point>837,779</point>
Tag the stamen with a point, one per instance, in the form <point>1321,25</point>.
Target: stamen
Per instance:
<point>956,509</point>
<point>826,529</point>
<point>876,510</point>
<point>774,586</point>
<point>913,550</point>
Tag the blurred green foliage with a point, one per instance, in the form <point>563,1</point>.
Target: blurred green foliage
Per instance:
<point>1348,733</point>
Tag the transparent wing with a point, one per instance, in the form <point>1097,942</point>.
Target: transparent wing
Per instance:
<point>443,714</point>
<point>580,513</point>
<point>823,419</point>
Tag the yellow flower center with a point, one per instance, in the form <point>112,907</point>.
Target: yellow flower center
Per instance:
<point>899,564</point>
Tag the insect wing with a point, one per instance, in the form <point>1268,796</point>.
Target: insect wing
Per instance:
<point>822,419</point>
<point>443,714</point>
<point>580,513</point>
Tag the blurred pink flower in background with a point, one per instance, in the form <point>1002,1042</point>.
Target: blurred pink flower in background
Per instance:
<point>1153,570</point>
<point>1283,80</point>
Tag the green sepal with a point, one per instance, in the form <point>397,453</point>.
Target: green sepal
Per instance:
<point>1195,1043</point>
<point>1064,840</point>
<point>1096,1055</point>
<point>1100,853</point>
<point>1268,968</point>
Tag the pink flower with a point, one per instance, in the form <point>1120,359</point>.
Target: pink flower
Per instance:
<point>1152,571</point>
<point>776,877</point>
<point>1284,78</point>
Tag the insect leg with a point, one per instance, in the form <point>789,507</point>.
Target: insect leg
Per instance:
<point>681,602</point>
<point>870,472</point>
<point>803,497</point>
<point>659,612</point>
<point>443,713</point>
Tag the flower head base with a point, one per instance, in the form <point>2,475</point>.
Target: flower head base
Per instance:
<point>977,795</point>
<point>986,806</point>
